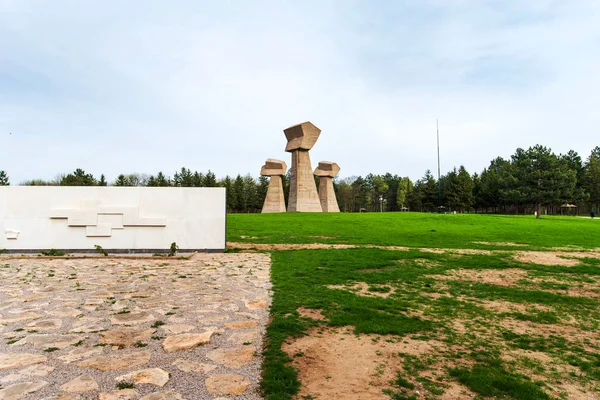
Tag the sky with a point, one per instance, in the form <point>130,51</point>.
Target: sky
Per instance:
<point>145,86</point>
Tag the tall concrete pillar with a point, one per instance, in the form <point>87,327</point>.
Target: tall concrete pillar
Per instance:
<point>275,200</point>
<point>326,171</point>
<point>303,195</point>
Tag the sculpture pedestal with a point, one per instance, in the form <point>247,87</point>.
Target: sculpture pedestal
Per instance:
<point>327,195</point>
<point>303,191</point>
<point>275,201</point>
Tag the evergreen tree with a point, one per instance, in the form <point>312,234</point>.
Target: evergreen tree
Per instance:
<point>391,195</point>
<point>210,180</point>
<point>184,178</point>
<point>102,181</point>
<point>4,181</point>
<point>574,162</point>
<point>198,179</point>
<point>151,181</point>
<point>464,189</point>
<point>426,192</point>
<point>161,180</point>
<point>120,181</point>
<point>591,178</point>
<point>494,183</point>
<point>253,202</point>
<point>540,178</point>
<point>361,194</point>
<point>227,183</point>
<point>241,198</point>
<point>78,178</point>
<point>262,189</point>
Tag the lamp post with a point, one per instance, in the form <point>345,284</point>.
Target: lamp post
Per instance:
<point>381,203</point>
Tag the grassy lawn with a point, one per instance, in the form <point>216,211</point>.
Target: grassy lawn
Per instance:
<point>492,326</point>
<point>414,229</point>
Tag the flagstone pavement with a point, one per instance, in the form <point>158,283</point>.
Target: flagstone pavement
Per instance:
<point>117,328</point>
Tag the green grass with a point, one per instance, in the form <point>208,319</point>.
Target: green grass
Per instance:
<point>411,279</point>
<point>413,229</point>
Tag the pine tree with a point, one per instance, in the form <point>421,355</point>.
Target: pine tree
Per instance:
<point>120,181</point>
<point>78,178</point>
<point>591,177</point>
<point>210,180</point>
<point>161,180</point>
<point>4,181</point>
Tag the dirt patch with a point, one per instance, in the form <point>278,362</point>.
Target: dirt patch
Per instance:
<point>544,258</point>
<point>434,251</point>
<point>533,355</point>
<point>557,389</point>
<point>315,314</point>
<point>571,333</point>
<point>433,295</point>
<point>500,277</point>
<point>393,248</point>
<point>505,244</point>
<point>456,251</point>
<point>275,246</point>
<point>336,364</point>
<point>562,258</point>
<point>366,290</point>
<point>502,306</point>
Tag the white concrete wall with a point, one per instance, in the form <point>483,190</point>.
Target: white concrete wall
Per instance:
<point>120,218</point>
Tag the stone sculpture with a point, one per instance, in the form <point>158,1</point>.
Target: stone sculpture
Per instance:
<point>326,171</point>
<point>303,195</point>
<point>275,200</point>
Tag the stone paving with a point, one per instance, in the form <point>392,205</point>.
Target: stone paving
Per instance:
<point>133,328</point>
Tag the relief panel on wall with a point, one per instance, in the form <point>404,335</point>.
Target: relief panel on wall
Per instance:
<point>99,221</point>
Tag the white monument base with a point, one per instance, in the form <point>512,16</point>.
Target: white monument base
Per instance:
<point>119,219</point>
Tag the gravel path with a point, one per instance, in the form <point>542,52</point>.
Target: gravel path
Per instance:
<point>165,328</point>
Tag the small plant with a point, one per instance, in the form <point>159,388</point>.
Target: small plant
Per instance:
<point>141,344</point>
<point>157,324</point>
<point>100,250</point>
<point>125,385</point>
<point>170,313</point>
<point>11,341</point>
<point>2,251</point>
<point>100,345</point>
<point>124,312</point>
<point>51,349</point>
<point>173,249</point>
<point>379,289</point>
<point>52,253</point>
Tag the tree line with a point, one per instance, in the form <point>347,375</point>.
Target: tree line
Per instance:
<point>530,180</point>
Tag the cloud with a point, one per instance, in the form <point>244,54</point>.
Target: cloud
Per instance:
<point>117,87</point>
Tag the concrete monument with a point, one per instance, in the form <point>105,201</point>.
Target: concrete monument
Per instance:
<point>275,200</point>
<point>303,195</point>
<point>326,171</point>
